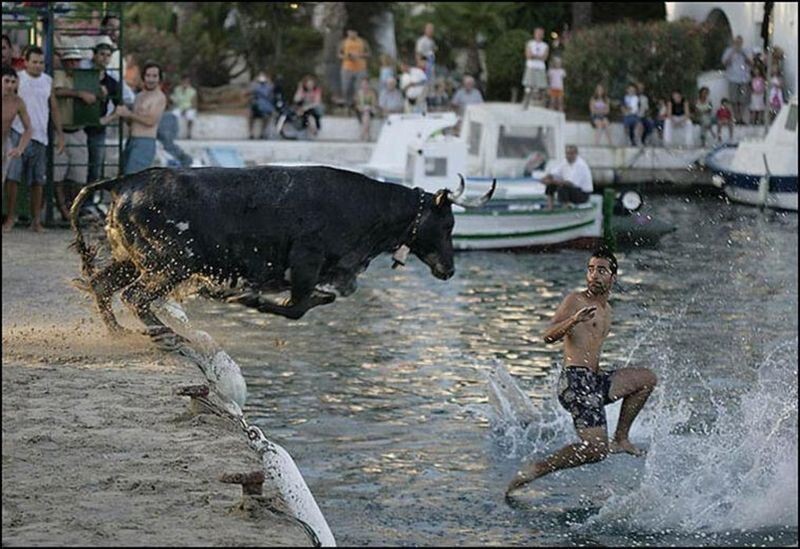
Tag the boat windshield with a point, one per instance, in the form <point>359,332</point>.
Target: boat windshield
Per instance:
<point>520,142</point>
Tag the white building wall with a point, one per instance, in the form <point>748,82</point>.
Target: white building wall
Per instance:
<point>745,20</point>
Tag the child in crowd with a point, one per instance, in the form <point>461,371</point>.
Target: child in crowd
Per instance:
<point>661,116</point>
<point>775,93</point>
<point>386,72</point>
<point>758,86</point>
<point>725,119</point>
<point>599,107</point>
<point>704,112</point>
<point>366,106</point>
<point>555,77</point>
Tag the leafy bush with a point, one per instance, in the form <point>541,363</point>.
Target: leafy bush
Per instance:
<point>505,60</point>
<point>664,56</point>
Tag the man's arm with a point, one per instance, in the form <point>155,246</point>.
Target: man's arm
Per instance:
<point>726,56</point>
<point>87,97</point>
<point>566,318</point>
<point>56,114</point>
<point>25,138</point>
<point>151,116</point>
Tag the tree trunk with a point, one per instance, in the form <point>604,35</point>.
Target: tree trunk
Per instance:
<point>581,14</point>
<point>330,19</point>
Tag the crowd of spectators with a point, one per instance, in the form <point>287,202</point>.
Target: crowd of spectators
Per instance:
<point>141,102</point>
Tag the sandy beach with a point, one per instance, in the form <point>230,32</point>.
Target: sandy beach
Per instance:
<point>97,450</point>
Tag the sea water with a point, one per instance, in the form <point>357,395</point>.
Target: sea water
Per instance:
<point>409,405</point>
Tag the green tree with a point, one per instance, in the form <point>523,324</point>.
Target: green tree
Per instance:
<point>664,56</point>
<point>505,59</point>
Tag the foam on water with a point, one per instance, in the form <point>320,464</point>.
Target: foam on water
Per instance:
<point>520,427</point>
<point>737,473</point>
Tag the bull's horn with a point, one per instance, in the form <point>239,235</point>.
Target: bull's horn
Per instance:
<point>461,186</point>
<point>478,202</point>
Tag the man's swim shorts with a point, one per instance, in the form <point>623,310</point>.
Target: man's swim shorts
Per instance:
<point>584,393</point>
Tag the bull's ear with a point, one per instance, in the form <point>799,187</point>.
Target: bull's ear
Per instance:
<point>440,199</point>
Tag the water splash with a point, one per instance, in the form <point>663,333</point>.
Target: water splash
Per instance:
<point>521,427</point>
<point>738,472</point>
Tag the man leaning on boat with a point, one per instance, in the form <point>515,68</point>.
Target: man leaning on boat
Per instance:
<point>570,180</point>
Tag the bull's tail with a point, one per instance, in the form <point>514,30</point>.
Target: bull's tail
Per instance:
<point>87,253</point>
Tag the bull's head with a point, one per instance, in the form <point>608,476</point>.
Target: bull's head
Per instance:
<point>432,239</point>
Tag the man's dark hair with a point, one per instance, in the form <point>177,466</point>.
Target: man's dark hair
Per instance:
<point>150,64</point>
<point>7,40</point>
<point>107,18</point>
<point>31,50</point>
<point>9,71</point>
<point>603,252</point>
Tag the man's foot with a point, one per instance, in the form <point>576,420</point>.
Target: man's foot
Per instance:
<point>37,228</point>
<point>619,446</point>
<point>8,225</point>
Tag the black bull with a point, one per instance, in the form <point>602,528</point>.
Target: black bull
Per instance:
<point>250,230</point>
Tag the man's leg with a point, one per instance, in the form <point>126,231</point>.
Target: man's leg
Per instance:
<point>634,386</point>
<point>11,204</point>
<point>592,448</point>
<point>550,190</point>
<point>37,193</point>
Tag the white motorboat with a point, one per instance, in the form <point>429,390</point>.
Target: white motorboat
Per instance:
<point>761,172</point>
<point>504,142</point>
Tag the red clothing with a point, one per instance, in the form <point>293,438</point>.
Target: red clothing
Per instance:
<point>724,113</point>
<point>18,63</point>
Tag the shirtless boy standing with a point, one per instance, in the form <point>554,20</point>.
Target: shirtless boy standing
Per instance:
<point>13,105</point>
<point>583,320</point>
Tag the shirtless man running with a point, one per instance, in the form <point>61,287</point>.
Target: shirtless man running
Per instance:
<point>583,320</point>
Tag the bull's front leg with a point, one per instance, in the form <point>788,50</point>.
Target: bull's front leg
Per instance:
<point>305,267</point>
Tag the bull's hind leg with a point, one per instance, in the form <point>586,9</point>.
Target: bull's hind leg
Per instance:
<point>105,283</point>
<point>140,295</point>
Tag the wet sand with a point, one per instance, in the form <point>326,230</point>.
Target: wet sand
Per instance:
<point>97,450</point>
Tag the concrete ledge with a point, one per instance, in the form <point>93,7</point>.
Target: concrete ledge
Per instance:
<point>231,126</point>
<point>340,128</point>
<point>255,152</point>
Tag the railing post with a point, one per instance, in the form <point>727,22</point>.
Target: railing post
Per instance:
<point>609,239</point>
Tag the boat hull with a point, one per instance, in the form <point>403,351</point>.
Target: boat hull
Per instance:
<point>527,224</point>
<point>780,191</point>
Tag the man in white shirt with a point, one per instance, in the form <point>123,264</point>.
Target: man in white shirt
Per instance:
<point>426,49</point>
<point>468,94</point>
<point>413,85</point>
<point>535,78</point>
<point>571,180</point>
